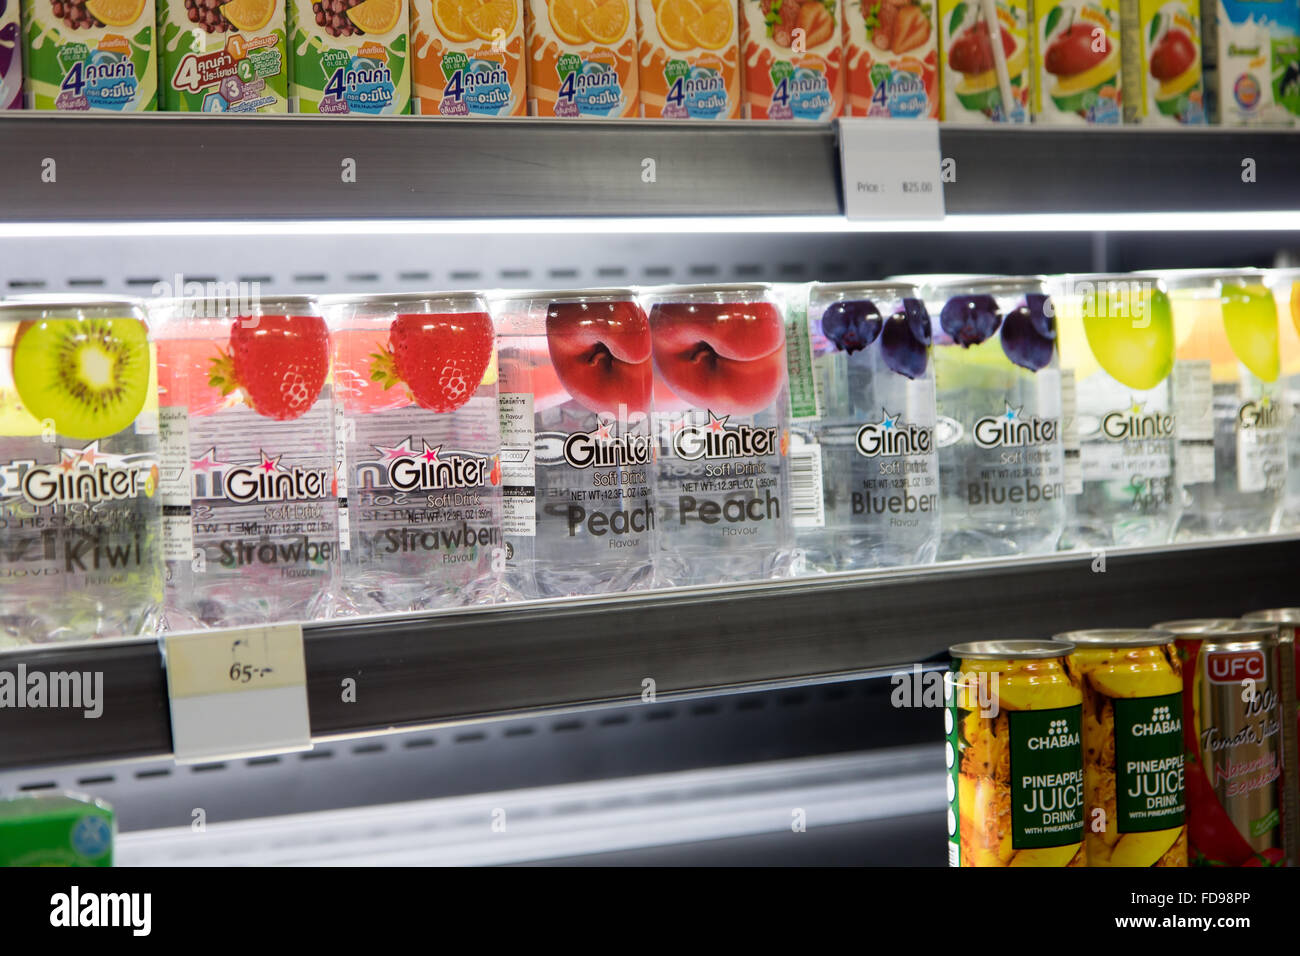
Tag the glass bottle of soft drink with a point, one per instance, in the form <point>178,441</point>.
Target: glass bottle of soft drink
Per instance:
<point>1286,293</point>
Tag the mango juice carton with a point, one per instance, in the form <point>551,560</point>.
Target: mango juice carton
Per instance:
<point>228,58</point>
<point>891,53</point>
<point>349,56</point>
<point>582,58</point>
<point>1259,62</point>
<point>793,59</point>
<point>467,58</point>
<point>1164,83</point>
<point>90,55</point>
<point>984,81</point>
<point>689,59</point>
<point>1076,63</point>
<point>11,57</point>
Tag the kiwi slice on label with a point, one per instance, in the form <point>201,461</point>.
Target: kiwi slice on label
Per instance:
<point>88,376</point>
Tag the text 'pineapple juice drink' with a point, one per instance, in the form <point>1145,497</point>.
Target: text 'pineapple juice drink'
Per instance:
<point>1077,62</point>
<point>1132,684</point>
<point>80,518</point>
<point>1117,356</point>
<point>722,413</point>
<point>793,59</point>
<point>1286,293</point>
<point>864,472</point>
<point>1015,758</point>
<point>582,57</point>
<point>1259,62</point>
<point>96,55</point>
<point>1229,407</point>
<point>416,405</point>
<point>998,385</point>
<point>349,56</point>
<point>891,54</point>
<point>248,461</point>
<point>1234,693</point>
<point>11,57</point>
<point>577,451</point>
<point>225,58</point>
<point>1163,82</point>
<point>689,59</point>
<point>985,82</point>
<point>467,57</point>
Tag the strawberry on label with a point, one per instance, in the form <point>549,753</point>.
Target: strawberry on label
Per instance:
<point>441,359</point>
<point>279,362</point>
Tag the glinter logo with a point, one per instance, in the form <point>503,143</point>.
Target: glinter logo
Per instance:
<point>1261,413</point>
<point>82,476</point>
<point>429,470</point>
<point>1163,721</point>
<point>997,431</point>
<point>1132,423</point>
<point>1232,667</point>
<point>718,440</point>
<point>892,436</point>
<point>266,480</point>
<point>602,449</point>
<point>1058,735</point>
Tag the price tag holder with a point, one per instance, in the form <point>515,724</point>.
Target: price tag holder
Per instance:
<point>891,168</point>
<point>237,693</point>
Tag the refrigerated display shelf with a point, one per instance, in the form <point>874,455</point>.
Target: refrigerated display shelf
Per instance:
<point>487,662</point>
<point>66,168</point>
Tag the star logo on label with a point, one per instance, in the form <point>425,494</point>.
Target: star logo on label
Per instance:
<point>269,464</point>
<point>430,454</point>
<point>1135,407</point>
<point>68,459</point>
<point>402,449</point>
<point>209,461</point>
<point>602,431</point>
<point>1011,414</point>
<point>717,425</point>
<point>888,420</point>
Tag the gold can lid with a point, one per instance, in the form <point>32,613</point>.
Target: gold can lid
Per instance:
<point>1010,650</point>
<point>1116,637</point>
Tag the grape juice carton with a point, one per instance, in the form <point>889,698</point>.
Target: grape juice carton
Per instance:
<point>690,59</point>
<point>1259,62</point>
<point>11,57</point>
<point>349,56</point>
<point>224,59</point>
<point>793,59</point>
<point>467,58</point>
<point>90,55</point>
<point>891,53</point>
<point>984,82</point>
<point>1164,83</point>
<point>582,58</point>
<point>1076,63</point>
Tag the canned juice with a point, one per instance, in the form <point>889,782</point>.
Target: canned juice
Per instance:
<point>1163,82</point>
<point>1076,45</point>
<point>228,58</point>
<point>90,55</point>
<point>793,59</point>
<point>1287,620</point>
<point>11,57</point>
<point>468,57</point>
<point>1015,756</point>
<point>891,59</point>
<point>582,58</point>
<point>983,81</point>
<point>1235,772</point>
<point>1132,684</point>
<point>349,56</point>
<point>689,59</point>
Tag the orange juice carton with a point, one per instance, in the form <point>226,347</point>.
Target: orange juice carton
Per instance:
<point>468,57</point>
<point>690,59</point>
<point>582,58</point>
<point>793,59</point>
<point>891,59</point>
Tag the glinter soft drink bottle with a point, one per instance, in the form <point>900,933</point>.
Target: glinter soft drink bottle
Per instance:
<point>723,427</point>
<point>865,461</point>
<point>1229,405</point>
<point>576,445</point>
<point>1001,460</point>
<point>1286,293</point>
<point>248,461</point>
<point>1117,355</point>
<point>79,508</point>
<point>416,402</point>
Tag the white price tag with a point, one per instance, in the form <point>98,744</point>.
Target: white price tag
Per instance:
<point>237,693</point>
<point>891,168</point>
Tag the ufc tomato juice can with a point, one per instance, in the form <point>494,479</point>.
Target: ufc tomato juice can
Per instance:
<point>1287,620</point>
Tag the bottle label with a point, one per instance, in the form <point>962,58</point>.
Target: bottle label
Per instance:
<point>518,464</point>
<point>1070,433</point>
<point>1261,445</point>
<point>175,482</point>
<point>1194,420</point>
<point>807,503</point>
<point>1046,777</point>
<point>1148,762</point>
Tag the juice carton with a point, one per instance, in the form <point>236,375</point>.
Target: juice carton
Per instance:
<point>1259,62</point>
<point>690,59</point>
<point>56,829</point>
<point>1163,69</point>
<point>984,81</point>
<point>467,57</point>
<point>226,58</point>
<point>349,56</point>
<point>794,56</point>
<point>11,57</point>
<point>1076,55</point>
<point>891,51</point>
<point>90,55</point>
<point>582,57</point>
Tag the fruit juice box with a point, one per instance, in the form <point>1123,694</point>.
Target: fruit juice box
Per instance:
<point>56,829</point>
<point>1259,62</point>
<point>1076,57</point>
<point>582,57</point>
<point>223,58</point>
<point>690,59</point>
<point>793,59</point>
<point>11,57</point>
<point>891,53</point>
<point>467,58</point>
<point>90,55</point>
<point>1162,64</point>
<point>974,89</point>
<point>349,56</point>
